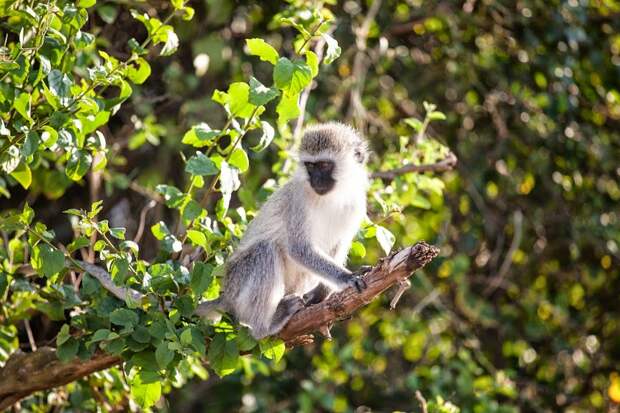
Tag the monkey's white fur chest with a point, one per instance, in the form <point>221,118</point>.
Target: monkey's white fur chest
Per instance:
<point>334,222</point>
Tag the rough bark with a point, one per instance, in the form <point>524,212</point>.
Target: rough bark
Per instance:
<point>388,272</point>
<point>26,373</point>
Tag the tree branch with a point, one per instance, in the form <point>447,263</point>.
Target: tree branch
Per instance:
<point>446,164</point>
<point>389,271</point>
<point>26,373</point>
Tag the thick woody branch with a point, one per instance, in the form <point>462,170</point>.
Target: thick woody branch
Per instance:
<point>388,272</point>
<point>26,373</point>
<point>446,164</point>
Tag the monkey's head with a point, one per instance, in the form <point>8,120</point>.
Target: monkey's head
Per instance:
<point>333,155</point>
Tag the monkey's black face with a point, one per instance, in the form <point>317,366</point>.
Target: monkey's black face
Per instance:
<point>320,173</point>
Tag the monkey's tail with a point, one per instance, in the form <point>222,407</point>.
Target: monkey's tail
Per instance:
<point>211,310</point>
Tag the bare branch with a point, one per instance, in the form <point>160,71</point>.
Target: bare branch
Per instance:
<point>389,271</point>
<point>422,401</point>
<point>149,205</point>
<point>446,164</point>
<point>122,293</point>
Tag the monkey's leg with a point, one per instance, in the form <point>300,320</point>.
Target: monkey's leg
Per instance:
<point>317,294</point>
<point>288,306</point>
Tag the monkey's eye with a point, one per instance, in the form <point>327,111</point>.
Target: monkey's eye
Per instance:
<point>310,166</point>
<point>324,166</point>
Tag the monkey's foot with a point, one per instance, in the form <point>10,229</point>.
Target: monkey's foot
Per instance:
<point>358,282</point>
<point>294,303</point>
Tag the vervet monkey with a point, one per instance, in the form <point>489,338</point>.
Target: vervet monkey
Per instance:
<point>293,252</point>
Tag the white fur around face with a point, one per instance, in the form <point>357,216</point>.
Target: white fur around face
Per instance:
<point>336,216</point>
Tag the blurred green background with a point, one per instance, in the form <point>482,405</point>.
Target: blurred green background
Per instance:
<point>521,310</point>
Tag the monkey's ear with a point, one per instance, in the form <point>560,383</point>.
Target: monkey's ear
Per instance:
<point>361,153</point>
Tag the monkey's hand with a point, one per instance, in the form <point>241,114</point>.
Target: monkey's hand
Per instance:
<point>358,282</point>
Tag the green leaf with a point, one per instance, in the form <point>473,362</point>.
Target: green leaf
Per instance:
<point>177,4</point>
<point>60,86</point>
<point>124,317</point>
<point>283,73</point>
<point>202,277</point>
<point>436,115</point>
<point>266,137</point>
<point>170,39</point>
<point>78,243</point>
<point>31,143</point>
<point>245,341</point>
<point>223,355</point>
<point>49,136</point>
<point>198,238</point>
<point>139,73</point>
<point>22,106</point>
<point>200,135</point>
<point>173,197</point>
<point>239,159</point>
<point>86,3</point>
<point>287,108</point>
<point>333,50</point>
<point>119,270</point>
<point>200,164</point>
<point>239,94</point>
<point>160,230</point>
<point>302,76</point>
<point>313,62</point>
<point>385,238</point>
<point>27,214</point>
<point>78,164</point>
<point>163,354</point>
<point>22,175</point>
<point>63,335</point>
<point>191,211</point>
<point>47,260</point>
<point>146,395</point>
<point>260,48</point>
<point>118,233</point>
<point>9,160</point>
<point>68,350</point>
<point>100,335</point>
<point>416,124</point>
<point>107,12</point>
<point>272,348</point>
<point>261,94</point>
<point>420,201</point>
<point>358,249</point>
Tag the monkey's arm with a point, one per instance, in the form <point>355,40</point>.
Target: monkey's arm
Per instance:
<point>321,264</point>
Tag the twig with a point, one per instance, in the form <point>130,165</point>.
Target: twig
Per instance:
<point>403,286</point>
<point>33,344</point>
<point>446,164</point>
<point>422,401</point>
<point>150,205</point>
<point>517,219</point>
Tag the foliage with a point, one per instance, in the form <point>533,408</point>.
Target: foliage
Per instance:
<point>196,110</point>
<point>59,91</point>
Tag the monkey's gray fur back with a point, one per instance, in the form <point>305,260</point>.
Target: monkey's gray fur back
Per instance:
<point>294,250</point>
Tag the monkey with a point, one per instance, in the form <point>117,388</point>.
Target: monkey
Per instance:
<point>294,250</point>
